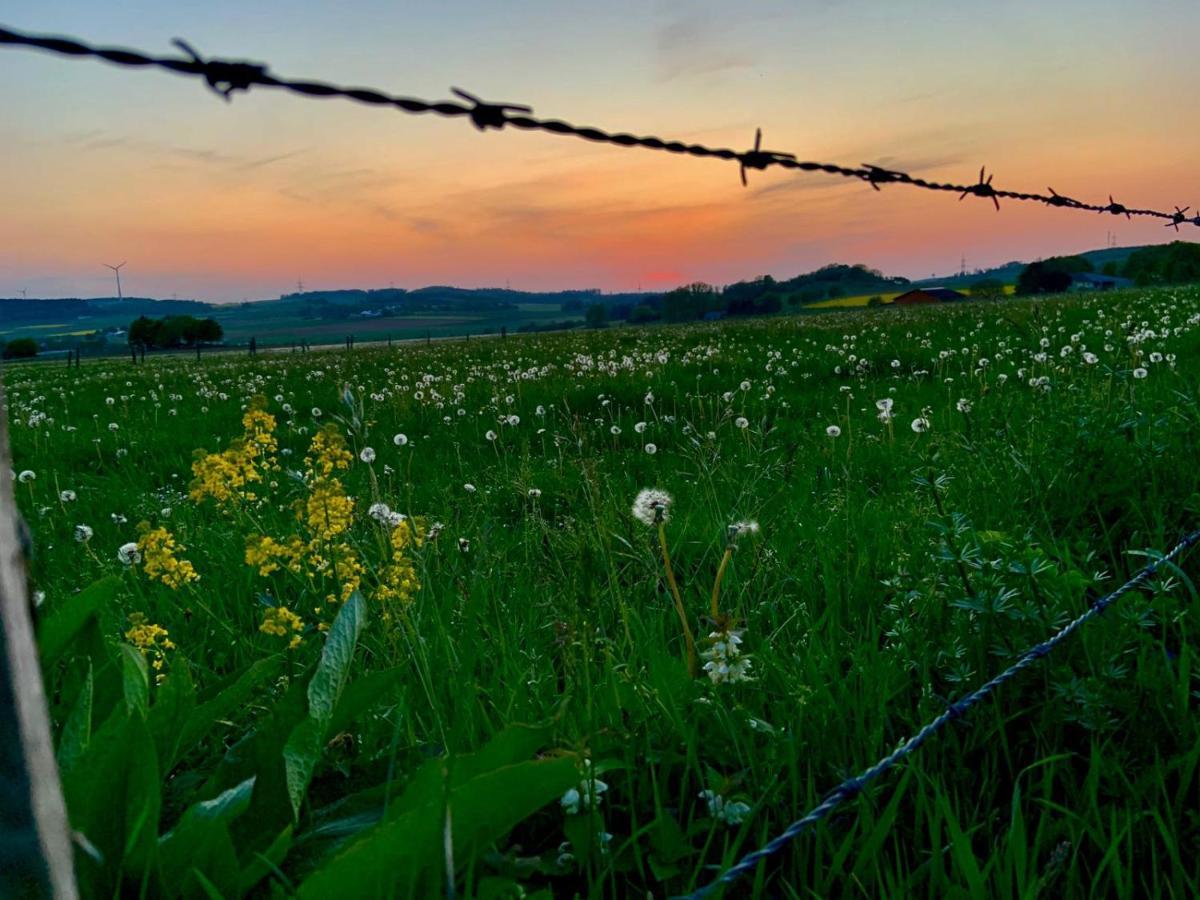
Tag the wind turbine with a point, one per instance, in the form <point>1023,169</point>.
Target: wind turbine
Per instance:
<point>117,270</point>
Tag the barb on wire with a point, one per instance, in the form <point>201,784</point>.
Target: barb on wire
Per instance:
<point>982,189</point>
<point>854,785</point>
<point>877,175</point>
<point>489,115</point>
<point>759,158</point>
<point>225,77</point>
<point>1117,209</point>
<point>1178,217</point>
<point>1056,199</point>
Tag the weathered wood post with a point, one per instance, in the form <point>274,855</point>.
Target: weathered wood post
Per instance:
<point>35,847</point>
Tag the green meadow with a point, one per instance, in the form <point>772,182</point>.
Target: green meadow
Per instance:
<point>400,621</point>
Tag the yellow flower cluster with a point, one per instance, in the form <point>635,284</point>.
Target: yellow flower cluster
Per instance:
<point>398,581</point>
<point>158,548</point>
<point>327,454</point>
<point>343,565</point>
<point>281,621</point>
<point>327,512</point>
<point>228,477</point>
<point>152,640</point>
<point>268,555</point>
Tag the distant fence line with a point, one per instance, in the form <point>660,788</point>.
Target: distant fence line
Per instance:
<point>225,77</point>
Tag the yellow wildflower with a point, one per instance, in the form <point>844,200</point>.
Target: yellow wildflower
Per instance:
<point>328,512</point>
<point>227,476</point>
<point>327,453</point>
<point>158,548</point>
<point>398,581</point>
<point>152,640</point>
<point>280,621</point>
<point>268,555</point>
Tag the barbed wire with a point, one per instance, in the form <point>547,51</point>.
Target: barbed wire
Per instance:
<point>854,785</point>
<point>226,77</point>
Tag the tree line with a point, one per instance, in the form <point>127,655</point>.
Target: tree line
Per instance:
<point>174,331</point>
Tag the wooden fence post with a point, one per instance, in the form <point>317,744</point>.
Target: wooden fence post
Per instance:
<point>35,847</point>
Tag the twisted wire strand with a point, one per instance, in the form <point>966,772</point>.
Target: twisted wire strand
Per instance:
<point>226,77</point>
<point>854,785</point>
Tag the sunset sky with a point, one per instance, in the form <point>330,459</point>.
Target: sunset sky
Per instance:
<point>230,201</point>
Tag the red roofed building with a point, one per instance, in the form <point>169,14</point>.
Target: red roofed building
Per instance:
<point>928,295</point>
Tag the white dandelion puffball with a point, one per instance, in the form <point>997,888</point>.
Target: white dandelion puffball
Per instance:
<point>920,425</point>
<point>534,493</point>
<point>833,431</point>
<point>1140,373</point>
<point>129,554</point>
<point>742,422</point>
<point>379,512</point>
<point>66,496</point>
<point>26,476</point>
<point>640,427</point>
<point>83,533</point>
<point>651,449</point>
<point>367,455</point>
<point>491,435</point>
<point>469,488</point>
<point>400,440</point>
<point>652,506</point>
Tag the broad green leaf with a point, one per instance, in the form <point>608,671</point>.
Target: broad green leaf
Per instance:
<point>135,677</point>
<point>173,704</point>
<point>58,630</point>
<point>304,745</point>
<point>268,861</point>
<point>404,856</point>
<point>77,730</point>
<point>362,694</point>
<point>113,800</point>
<point>227,699</point>
<point>200,844</point>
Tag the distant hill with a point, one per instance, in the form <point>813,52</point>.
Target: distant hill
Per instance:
<point>1010,271</point>
<point>19,310</point>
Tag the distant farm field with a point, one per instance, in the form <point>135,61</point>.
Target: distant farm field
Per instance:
<point>369,622</point>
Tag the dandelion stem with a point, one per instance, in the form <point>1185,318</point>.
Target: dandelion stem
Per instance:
<point>687,630</point>
<point>716,591</point>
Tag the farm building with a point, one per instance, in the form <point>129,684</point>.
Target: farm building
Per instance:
<point>928,295</point>
<point>1090,281</point>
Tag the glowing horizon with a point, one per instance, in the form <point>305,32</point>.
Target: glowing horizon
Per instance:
<point>225,202</point>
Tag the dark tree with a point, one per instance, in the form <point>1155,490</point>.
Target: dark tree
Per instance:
<point>596,316</point>
<point>21,348</point>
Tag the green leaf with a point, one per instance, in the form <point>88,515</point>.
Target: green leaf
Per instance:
<point>304,745</point>
<point>113,795</point>
<point>173,704</point>
<point>77,730</point>
<point>228,698</point>
<point>57,631</point>
<point>267,862</point>
<point>200,845</point>
<point>135,679</point>
<point>404,856</point>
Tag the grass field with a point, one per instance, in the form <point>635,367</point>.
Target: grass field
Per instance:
<point>276,685</point>
<point>861,300</point>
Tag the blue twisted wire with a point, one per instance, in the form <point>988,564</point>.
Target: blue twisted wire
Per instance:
<point>854,785</point>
